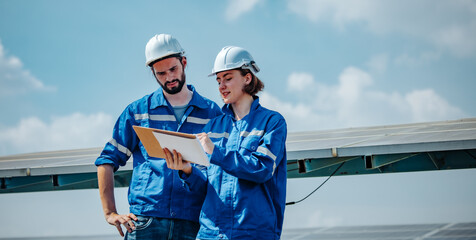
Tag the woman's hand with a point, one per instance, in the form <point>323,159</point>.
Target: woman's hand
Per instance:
<point>174,161</point>
<point>206,142</point>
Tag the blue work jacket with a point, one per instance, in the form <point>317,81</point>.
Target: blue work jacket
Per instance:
<point>246,180</point>
<point>155,190</point>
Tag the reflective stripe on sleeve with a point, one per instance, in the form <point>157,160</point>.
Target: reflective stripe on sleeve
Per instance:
<point>120,147</point>
<point>266,152</point>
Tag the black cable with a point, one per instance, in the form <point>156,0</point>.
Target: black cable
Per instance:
<point>337,169</point>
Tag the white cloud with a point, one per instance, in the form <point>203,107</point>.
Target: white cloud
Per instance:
<point>353,103</point>
<point>65,132</point>
<point>300,81</point>
<point>448,25</point>
<point>338,12</point>
<point>299,117</point>
<point>14,79</point>
<point>426,105</point>
<point>352,81</point>
<point>236,8</point>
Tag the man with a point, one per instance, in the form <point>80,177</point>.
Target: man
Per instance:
<point>160,208</point>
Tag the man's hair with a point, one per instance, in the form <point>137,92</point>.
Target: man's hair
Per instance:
<point>255,85</point>
<point>177,55</point>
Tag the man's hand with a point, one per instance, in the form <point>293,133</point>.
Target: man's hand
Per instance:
<point>125,220</point>
<point>174,161</point>
<point>106,193</point>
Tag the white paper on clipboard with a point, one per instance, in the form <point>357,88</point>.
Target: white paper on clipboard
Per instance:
<point>154,140</point>
<point>190,148</point>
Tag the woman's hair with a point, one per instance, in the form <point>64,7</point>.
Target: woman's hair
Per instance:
<point>255,85</point>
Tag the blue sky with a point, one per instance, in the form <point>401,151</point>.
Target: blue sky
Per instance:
<point>69,68</point>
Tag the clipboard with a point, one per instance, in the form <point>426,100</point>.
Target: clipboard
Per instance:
<point>154,140</point>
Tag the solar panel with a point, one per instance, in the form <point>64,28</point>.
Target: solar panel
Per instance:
<point>456,233</point>
<point>459,231</point>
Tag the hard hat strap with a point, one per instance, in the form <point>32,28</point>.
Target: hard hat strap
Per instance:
<point>254,68</point>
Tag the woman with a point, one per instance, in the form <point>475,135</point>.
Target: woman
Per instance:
<point>246,181</point>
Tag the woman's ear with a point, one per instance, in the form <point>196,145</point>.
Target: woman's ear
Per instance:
<point>248,77</point>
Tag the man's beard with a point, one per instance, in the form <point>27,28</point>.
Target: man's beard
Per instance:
<point>176,89</point>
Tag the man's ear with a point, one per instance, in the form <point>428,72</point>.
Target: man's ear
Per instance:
<point>184,62</point>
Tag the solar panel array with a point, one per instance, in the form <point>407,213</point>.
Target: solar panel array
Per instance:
<point>380,149</point>
<point>453,231</point>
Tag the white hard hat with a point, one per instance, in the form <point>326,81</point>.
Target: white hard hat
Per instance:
<point>160,46</point>
<point>232,57</point>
